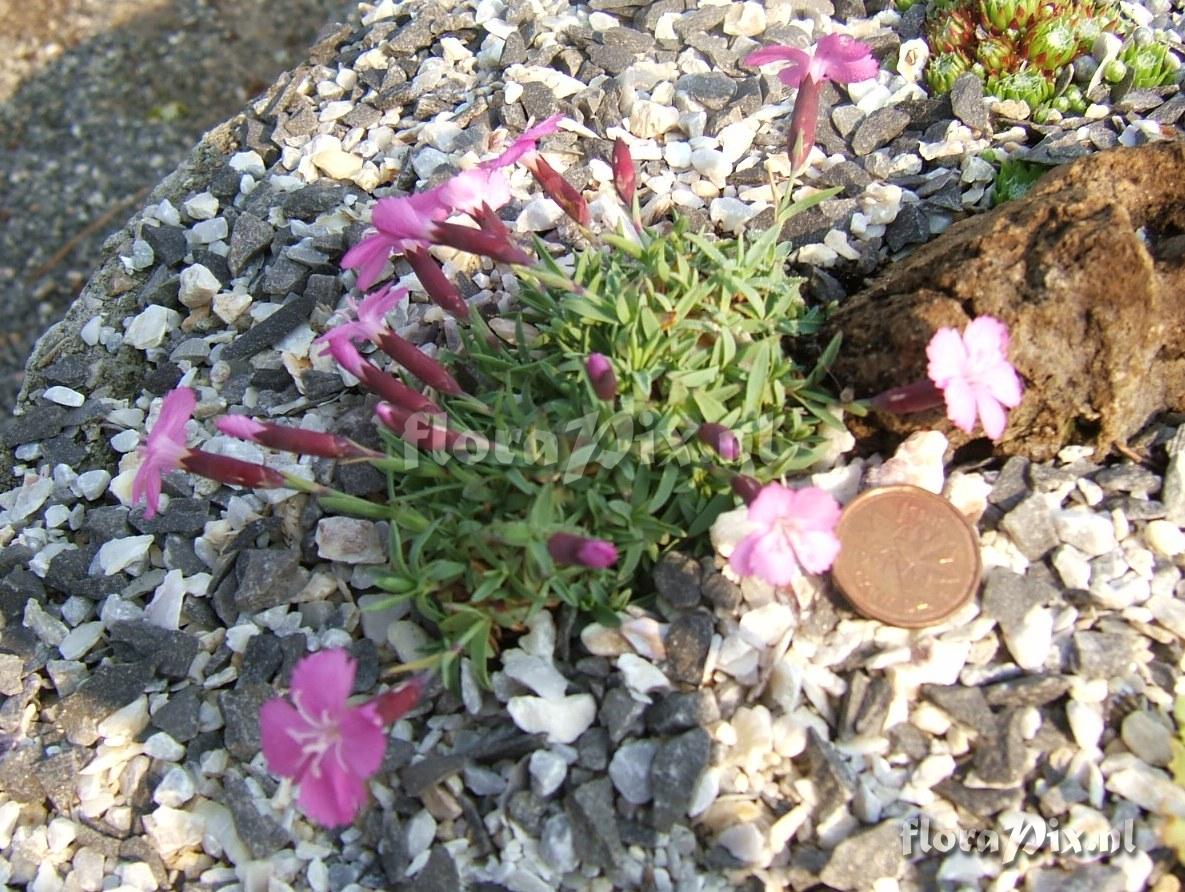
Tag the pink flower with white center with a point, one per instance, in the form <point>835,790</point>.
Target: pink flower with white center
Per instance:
<point>974,375</point>
<point>327,746</point>
<point>165,447</point>
<point>526,143</point>
<point>836,57</point>
<point>792,529</point>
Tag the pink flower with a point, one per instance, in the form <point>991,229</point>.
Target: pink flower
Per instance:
<point>328,747</point>
<point>405,223</point>
<point>164,448</point>
<point>836,57</point>
<point>525,144</point>
<point>974,375</point>
<point>567,548</point>
<point>793,529</point>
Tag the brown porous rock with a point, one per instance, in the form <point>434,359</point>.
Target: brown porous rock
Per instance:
<point>1087,271</point>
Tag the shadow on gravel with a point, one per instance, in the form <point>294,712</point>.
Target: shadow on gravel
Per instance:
<point>84,139</point>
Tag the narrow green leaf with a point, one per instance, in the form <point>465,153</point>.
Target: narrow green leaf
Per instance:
<point>758,375</point>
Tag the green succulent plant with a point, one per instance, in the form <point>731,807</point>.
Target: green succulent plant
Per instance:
<point>1014,178</point>
<point>1017,47</point>
<point>1152,63</point>
<point>1029,84</point>
<point>943,70</point>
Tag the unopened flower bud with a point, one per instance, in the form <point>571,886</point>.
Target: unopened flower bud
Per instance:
<point>720,439</point>
<point>600,374</point>
<point>567,548</point>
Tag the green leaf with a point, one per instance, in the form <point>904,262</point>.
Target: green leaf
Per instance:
<point>709,407</point>
<point>586,309</point>
<point>666,485</point>
<point>758,375</point>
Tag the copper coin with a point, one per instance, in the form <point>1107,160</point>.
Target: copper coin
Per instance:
<point>907,556</point>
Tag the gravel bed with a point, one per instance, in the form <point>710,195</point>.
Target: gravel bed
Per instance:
<point>724,737</point>
<point>99,100</point>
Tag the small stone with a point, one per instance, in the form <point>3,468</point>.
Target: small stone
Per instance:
<point>208,231</point>
<point>641,676</point>
<point>917,461</point>
<point>349,540</point>
<point>251,237</point>
<point>744,19</point>
<point>687,644</point>
<point>675,771</point>
<point>712,90</point>
<point>119,554</point>
<point>80,640</point>
<point>202,206</point>
<point>873,853</point>
<point>1165,538</point>
<point>649,119</point>
<point>1149,738</point>
<point>535,672</point>
<point>677,578</point>
<point>548,770</point>
<point>1086,723</point>
<point>1092,534</point>
<point>966,99</point>
<point>126,722</point>
<point>176,788</point>
<point>1030,525</point>
<point>1104,654</point>
<point>562,720</point>
<point>64,396</point>
<point>878,129</point>
<point>149,328</point>
<point>594,824</point>
<point>169,245</point>
<point>630,770</point>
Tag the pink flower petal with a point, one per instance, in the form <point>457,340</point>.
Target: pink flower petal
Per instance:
<point>774,559</point>
<point>408,218</point>
<point>368,257</point>
<point>278,720</point>
<point>331,797</point>
<point>815,509</point>
<point>947,356</point>
<point>960,404</point>
<point>778,53</point>
<point>526,143</point>
<point>1005,385</point>
<point>470,189</point>
<point>772,504</point>
<point>241,426</point>
<point>991,414</point>
<point>816,549</point>
<point>164,447</point>
<point>321,682</point>
<point>372,312</point>
<point>845,59</point>
<point>364,742</point>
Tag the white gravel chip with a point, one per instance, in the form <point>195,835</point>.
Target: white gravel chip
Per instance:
<point>149,328</point>
<point>198,286</point>
<point>92,484</point>
<point>80,640</point>
<point>202,206</point>
<point>562,720</point>
<point>119,554</point>
<point>64,396</point>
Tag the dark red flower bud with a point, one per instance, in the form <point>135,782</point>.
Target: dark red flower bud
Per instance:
<point>559,190</point>
<point>418,363</point>
<point>567,548</point>
<point>625,175</point>
<point>746,487</point>
<point>233,471</point>
<point>443,292</point>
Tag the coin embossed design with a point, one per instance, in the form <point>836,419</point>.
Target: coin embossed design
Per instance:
<point>907,557</point>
